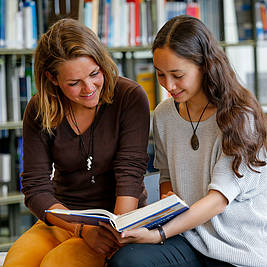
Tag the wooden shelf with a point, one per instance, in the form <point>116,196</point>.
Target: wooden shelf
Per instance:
<point>242,43</point>
<point>8,51</point>
<point>129,49</point>
<point>12,198</point>
<point>11,125</point>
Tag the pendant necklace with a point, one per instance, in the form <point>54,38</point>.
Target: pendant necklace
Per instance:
<point>88,156</point>
<point>194,138</point>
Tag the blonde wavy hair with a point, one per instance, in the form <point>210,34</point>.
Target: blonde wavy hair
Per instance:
<point>65,40</point>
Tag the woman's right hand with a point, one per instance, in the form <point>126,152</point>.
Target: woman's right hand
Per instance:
<point>100,239</point>
<point>166,195</point>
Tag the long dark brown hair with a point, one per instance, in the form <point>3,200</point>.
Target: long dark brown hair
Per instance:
<point>189,38</point>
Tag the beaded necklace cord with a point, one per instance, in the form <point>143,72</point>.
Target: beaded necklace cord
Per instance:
<point>89,157</point>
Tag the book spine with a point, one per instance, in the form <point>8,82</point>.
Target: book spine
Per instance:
<point>3,99</point>
<point>137,23</point>
<point>11,7</point>
<point>5,172</point>
<point>230,25</point>
<point>193,9</point>
<point>244,22</point>
<point>149,21</point>
<point>19,25</point>
<point>88,14</point>
<point>263,14</point>
<point>20,159</point>
<point>101,22</point>
<point>12,86</point>
<point>124,24</point>
<point>95,16</point>
<point>161,15</point>
<point>2,23</point>
<point>117,19</point>
<point>146,78</point>
<point>34,24</point>
<point>143,22</point>
<point>28,25</point>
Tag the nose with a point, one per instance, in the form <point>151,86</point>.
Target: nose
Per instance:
<point>170,84</point>
<point>88,86</point>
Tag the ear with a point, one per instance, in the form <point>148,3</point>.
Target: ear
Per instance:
<point>51,78</point>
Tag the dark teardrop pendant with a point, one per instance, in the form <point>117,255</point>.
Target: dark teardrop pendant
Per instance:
<point>194,142</point>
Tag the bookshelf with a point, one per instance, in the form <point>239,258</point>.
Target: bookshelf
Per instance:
<point>128,55</point>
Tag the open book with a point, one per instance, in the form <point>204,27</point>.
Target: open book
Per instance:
<point>157,213</point>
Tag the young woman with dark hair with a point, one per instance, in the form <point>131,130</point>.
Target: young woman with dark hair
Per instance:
<point>210,148</point>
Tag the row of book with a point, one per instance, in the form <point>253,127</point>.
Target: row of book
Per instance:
<point>18,24</point>
<point>7,161</point>
<point>16,86</point>
<point>123,22</point>
<point>132,22</point>
<point>238,20</point>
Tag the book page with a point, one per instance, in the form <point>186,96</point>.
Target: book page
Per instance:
<point>157,207</point>
<point>93,212</point>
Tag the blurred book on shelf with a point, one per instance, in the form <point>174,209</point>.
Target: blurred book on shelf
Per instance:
<point>132,22</point>
<point>3,99</point>
<point>145,76</point>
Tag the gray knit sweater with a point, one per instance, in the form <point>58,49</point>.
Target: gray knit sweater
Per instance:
<point>239,234</point>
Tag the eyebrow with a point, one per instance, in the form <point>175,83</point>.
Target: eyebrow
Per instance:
<point>96,69</point>
<point>175,70</point>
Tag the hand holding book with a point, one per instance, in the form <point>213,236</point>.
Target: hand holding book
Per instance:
<point>139,235</point>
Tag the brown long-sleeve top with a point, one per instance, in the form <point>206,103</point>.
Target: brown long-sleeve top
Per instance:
<point>120,139</point>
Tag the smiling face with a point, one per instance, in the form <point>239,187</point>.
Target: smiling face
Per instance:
<point>179,76</point>
<point>81,81</point>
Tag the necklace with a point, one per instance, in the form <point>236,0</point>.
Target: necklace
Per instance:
<point>194,138</point>
<point>89,155</point>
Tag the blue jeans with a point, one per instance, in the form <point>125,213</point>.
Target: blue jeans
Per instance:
<point>175,252</point>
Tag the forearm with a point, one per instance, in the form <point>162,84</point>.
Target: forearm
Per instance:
<point>199,213</point>
<point>125,204</point>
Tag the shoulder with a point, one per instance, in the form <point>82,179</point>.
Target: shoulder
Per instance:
<point>129,92</point>
<point>164,107</point>
<point>125,87</point>
<point>32,108</point>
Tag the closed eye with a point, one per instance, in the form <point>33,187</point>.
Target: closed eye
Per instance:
<point>73,84</point>
<point>94,73</point>
<point>178,77</point>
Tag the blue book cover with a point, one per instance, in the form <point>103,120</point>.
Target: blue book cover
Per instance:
<point>20,162</point>
<point>34,23</point>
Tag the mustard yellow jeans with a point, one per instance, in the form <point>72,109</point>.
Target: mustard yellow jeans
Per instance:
<point>51,246</point>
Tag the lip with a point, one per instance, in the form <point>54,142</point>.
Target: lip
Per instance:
<point>175,95</point>
<point>90,95</point>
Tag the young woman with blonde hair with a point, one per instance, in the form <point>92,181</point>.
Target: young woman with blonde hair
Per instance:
<point>93,127</point>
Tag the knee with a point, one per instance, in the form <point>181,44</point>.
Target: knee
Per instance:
<point>73,252</point>
<point>126,256</point>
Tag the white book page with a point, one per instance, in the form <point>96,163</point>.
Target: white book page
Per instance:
<point>93,212</point>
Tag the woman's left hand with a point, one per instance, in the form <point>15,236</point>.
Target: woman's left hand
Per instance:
<point>140,235</point>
